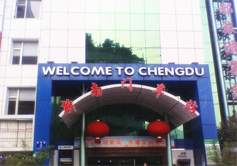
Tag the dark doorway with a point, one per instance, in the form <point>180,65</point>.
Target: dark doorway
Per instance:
<point>183,162</point>
<point>124,161</point>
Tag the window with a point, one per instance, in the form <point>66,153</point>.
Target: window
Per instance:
<point>28,8</point>
<point>21,101</point>
<point>25,52</point>
<point>14,132</point>
<point>124,31</point>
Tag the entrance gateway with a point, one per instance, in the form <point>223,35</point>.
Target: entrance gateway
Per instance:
<point>55,86</point>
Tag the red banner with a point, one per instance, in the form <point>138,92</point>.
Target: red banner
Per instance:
<point>123,142</point>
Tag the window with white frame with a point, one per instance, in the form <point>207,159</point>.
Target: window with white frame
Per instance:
<point>21,101</point>
<point>28,8</point>
<point>25,52</point>
<point>15,132</point>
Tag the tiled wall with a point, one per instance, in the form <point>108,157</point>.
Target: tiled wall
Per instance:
<point>61,29</point>
<point>181,31</point>
<point>63,32</point>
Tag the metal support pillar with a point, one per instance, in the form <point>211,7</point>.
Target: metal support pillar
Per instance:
<point>168,145</point>
<point>234,6</point>
<point>217,61</point>
<point>83,145</point>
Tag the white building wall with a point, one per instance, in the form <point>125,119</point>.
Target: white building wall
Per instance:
<point>15,76</point>
<point>2,8</point>
<point>61,30</point>
<point>181,31</point>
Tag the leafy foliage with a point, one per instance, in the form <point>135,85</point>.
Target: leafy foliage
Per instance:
<point>109,52</point>
<point>228,130</point>
<point>228,140</point>
<point>26,158</point>
<point>229,156</point>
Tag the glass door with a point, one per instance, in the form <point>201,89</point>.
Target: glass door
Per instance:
<point>97,161</point>
<point>124,161</point>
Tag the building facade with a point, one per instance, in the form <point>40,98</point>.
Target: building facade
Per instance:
<point>54,50</point>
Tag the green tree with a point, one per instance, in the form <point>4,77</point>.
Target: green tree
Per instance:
<point>26,158</point>
<point>109,52</point>
<point>89,41</point>
<point>227,133</point>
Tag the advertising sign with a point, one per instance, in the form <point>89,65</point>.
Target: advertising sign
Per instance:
<point>120,70</point>
<point>123,142</point>
<point>40,144</point>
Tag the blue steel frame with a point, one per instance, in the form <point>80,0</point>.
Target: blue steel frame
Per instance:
<point>203,93</point>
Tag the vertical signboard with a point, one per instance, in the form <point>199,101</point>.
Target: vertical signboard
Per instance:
<point>228,51</point>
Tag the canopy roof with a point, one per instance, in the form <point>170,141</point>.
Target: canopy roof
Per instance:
<point>140,95</point>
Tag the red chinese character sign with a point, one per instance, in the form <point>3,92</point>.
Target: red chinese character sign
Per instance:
<point>96,91</point>
<point>230,47</point>
<point>226,8</point>
<point>130,83</point>
<point>159,90</point>
<point>227,40</point>
<point>123,142</point>
<point>68,106</point>
<point>228,28</point>
<point>233,68</point>
<point>234,90</point>
<point>190,106</point>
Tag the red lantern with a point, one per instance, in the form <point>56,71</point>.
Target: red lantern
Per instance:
<point>97,129</point>
<point>158,128</point>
